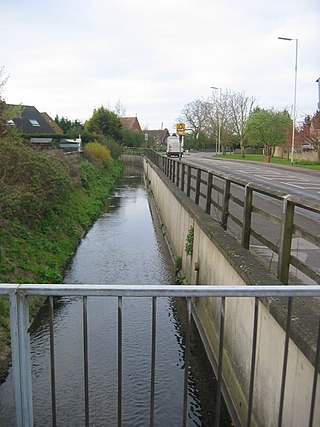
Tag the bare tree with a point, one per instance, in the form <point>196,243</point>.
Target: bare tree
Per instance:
<point>311,132</point>
<point>119,109</point>
<point>239,108</point>
<point>194,114</point>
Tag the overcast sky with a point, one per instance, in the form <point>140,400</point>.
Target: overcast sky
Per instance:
<point>69,57</point>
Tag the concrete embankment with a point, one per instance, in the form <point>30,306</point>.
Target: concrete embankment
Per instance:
<point>218,259</point>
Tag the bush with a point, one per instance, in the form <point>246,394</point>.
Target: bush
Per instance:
<point>98,154</point>
<point>32,182</point>
<point>115,148</point>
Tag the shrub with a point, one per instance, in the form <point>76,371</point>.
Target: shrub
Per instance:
<point>98,154</point>
<point>32,183</point>
<point>115,148</point>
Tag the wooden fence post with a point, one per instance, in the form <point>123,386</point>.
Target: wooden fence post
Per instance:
<point>246,221</point>
<point>285,240</point>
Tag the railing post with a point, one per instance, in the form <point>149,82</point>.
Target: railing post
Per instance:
<point>197,196</point>
<point>188,180</point>
<point>246,221</point>
<point>15,358</point>
<point>209,188</point>
<point>166,166</point>
<point>285,240</point>
<point>186,363</point>
<point>163,162</point>
<point>220,359</point>
<point>182,176</point>
<point>178,174</point>
<point>25,360</point>
<point>225,205</point>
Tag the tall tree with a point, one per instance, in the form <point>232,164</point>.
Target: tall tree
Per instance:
<point>195,114</point>
<point>105,122</point>
<point>239,106</point>
<point>71,128</point>
<point>268,128</point>
<point>119,108</point>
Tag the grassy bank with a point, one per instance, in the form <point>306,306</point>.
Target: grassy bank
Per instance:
<point>44,212</point>
<point>276,160</point>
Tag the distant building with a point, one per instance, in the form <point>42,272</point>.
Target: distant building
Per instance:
<point>31,122</point>
<point>157,138</point>
<point>130,123</point>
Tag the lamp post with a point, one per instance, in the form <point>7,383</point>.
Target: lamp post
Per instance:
<point>219,141</point>
<point>295,94</point>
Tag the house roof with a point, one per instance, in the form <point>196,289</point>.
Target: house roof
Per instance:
<point>30,121</point>
<point>159,135</point>
<point>52,123</point>
<point>130,123</point>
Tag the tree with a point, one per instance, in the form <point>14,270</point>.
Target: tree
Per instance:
<point>239,107</point>
<point>224,115</point>
<point>69,127</point>
<point>268,128</point>
<point>106,123</point>
<point>119,108</point>
<point>224,120</point>
<point>132,138</point>
<point>195,115</point>
<point>311,132</point>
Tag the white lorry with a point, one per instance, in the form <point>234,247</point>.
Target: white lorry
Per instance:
<point>174,146</point>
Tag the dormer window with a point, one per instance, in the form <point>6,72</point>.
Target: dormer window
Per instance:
<point>10,122</point>
<point>34,122</point>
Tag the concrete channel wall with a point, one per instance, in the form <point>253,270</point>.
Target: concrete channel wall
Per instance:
<point>218,259</point>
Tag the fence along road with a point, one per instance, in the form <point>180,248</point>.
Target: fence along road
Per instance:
<point>304,183</point>
<point>300,183</point>
<point>279,226</point>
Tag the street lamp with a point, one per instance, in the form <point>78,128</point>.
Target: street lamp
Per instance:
<point>218,88</point>
<point>295,95</point>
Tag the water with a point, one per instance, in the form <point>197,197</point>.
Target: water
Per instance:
<point>122,247</point>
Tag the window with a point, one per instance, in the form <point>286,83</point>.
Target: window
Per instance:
<point>10,122</point>
<point>34,122</point>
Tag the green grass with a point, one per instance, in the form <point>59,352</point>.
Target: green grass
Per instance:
<point>275,160</point>
<point>40,252</point>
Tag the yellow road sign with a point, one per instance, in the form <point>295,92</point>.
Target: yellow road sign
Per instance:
<point>181,129</point>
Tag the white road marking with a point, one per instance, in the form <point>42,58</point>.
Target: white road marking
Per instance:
<point>302,183</point>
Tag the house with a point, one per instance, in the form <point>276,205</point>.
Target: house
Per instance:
<point>30,121</point>
<point>130,123</point>
<point>52,123</point>
<point>157,138</point>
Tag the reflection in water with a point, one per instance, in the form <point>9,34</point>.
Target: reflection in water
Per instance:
<point>121,248</point>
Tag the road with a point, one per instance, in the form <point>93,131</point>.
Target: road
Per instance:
<point>303,183</point>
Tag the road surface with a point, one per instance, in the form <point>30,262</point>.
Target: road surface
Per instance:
<point>303,183</point>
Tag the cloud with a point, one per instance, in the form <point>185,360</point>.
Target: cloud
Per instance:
<point>70,57</point>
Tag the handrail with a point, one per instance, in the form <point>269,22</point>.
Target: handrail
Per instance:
<point>21,361</point>
<point>199,291</point>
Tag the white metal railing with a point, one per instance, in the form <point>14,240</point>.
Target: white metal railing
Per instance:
<point>21,364</point>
